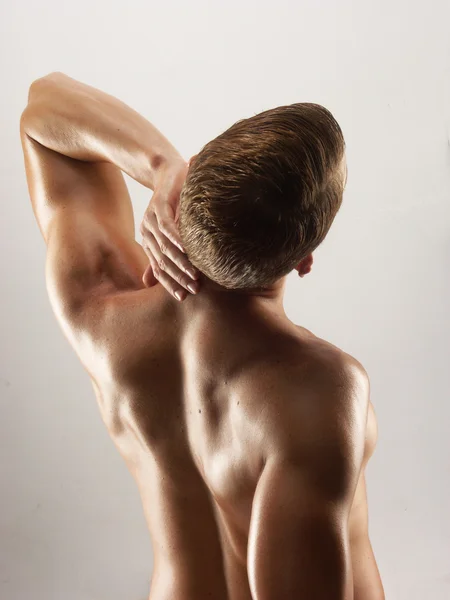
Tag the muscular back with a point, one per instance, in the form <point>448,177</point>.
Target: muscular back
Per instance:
<point>247,436</point>
<point>192,395</point>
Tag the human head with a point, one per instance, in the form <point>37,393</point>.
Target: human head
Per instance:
<point>259,198</point>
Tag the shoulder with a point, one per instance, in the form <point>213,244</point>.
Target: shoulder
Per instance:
<point>331,387</point>
<point>115,334</point>
<point>307,370</point>
<point>319,415</point>
<point>327,367</point>
<point>315,368</point>
<point>327,353</point>
<point>333,371</point>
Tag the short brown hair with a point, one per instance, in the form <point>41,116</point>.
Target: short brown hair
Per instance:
<point>262,195</point>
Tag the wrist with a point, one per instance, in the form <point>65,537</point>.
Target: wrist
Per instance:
<point>165,165</point>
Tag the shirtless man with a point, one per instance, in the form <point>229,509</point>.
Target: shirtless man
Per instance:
<point>247,435</point>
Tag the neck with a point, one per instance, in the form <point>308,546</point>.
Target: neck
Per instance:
<point>272,294</point>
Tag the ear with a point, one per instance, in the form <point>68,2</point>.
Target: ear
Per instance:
<point>305,265</point>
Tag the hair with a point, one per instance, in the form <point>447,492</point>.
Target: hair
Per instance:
<point>262,195</point>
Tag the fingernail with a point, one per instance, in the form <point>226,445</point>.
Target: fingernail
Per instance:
<point>179,296</point>
<point>192,273</point>
<point>192,287</point>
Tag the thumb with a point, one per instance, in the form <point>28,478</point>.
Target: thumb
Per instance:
<point>148,279</point>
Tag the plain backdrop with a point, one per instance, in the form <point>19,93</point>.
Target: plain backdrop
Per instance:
<point>71,523</point>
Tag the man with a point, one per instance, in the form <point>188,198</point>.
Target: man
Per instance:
<point>247,435</point>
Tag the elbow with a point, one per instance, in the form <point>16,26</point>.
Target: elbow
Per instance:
<point>41,94</point>
<point>35,92</point>
<point>25,123</point>
<point>40,85</point>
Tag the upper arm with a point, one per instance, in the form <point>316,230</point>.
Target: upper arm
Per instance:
<point>299,542</point>
<point>367,582</point>
<point>85,215</point>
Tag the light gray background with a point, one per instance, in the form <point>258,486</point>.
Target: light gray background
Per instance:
<point>70,518</point>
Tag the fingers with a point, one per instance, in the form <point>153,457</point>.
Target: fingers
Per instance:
<point>166,271</point>
<point>166,224</point>
<point>148,278</point>
<point>168,249</point>
<point>177,291</point>
<point>151,228</point>
<point>157,275</point>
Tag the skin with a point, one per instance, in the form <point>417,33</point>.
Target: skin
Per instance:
<point>248,436</point>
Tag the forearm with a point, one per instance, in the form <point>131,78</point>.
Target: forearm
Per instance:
<point>82,122</point>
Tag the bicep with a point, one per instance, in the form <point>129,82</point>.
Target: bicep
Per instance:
<point>88,260</point>
<point>85,215</point>
<point>298,540</point>
<point>57,183</point>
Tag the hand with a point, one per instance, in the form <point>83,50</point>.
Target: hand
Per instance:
<point>161,241</point>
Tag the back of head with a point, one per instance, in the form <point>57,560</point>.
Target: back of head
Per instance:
<point>262,195</point>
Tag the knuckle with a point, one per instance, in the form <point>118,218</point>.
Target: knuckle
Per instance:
<point>161,263</point>
<point>185,281</point>
<point>163,248</point>
<point>182,279</point>
<point>186,266</point>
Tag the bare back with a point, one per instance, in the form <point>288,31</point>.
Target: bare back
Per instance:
<point>188,393</point>
<point>193,394</point>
